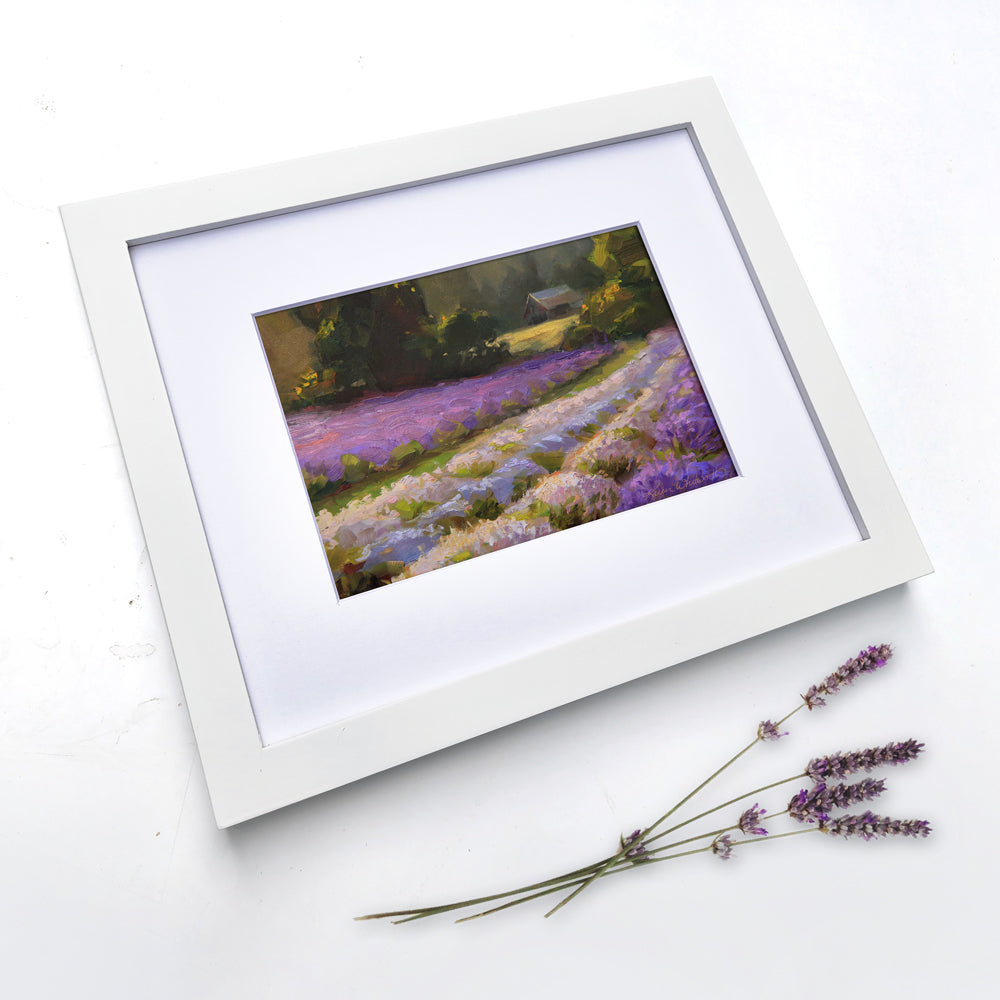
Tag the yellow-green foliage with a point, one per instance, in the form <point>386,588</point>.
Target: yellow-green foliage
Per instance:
<point>404,452</point>
<point>545,336</point>
<point>355,469</point>
<point>409,509</point>
<point>550,461</point>
<point>630,300</point>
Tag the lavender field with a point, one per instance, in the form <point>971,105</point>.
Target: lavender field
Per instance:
<point>445,416</point>
<point>378,432</point>
<point>411,481</point>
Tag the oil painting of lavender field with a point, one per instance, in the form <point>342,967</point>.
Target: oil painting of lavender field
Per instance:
<point>444,417</point>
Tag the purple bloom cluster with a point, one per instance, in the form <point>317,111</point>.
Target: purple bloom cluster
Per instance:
<point>687,442</point>
<point>840,765</point>
<point>722,847</point>
<point>749,822</point>
<point>868,826</point>
<point>816,803</point>
<point>866,662</point>
<point>767,730</point>
<point>687,423</point>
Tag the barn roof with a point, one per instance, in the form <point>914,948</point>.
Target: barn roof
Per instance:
<point>552,297</point>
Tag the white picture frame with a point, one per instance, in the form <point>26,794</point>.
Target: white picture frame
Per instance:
<point>213,596</point>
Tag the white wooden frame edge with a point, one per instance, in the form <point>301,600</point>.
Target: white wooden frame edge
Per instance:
<point>245,778</point>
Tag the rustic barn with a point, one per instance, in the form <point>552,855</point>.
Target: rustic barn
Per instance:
<point>551,303</point>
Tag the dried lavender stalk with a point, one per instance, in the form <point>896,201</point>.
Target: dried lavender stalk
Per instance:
<point>866,662</point>
<point>810,806</point>
<point>868,826</point>
<point>816,803</point>
<point>840,765</point>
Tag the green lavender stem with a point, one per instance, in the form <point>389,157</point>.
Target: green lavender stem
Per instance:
<point>579,875</point>
<point>566,885</point>
<point>867,661</point>
<point>625,867</point>
<point>429,911</point>
<point>776,836</point>
<point>548,886</point>
<point>739,798</point>
<point>649,829</point>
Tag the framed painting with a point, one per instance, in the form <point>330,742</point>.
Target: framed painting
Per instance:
<point>430,436</point>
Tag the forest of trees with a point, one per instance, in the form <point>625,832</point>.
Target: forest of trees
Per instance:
<point>386,338</point>
<point>446,325</point>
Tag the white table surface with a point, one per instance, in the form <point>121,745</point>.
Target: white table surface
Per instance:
<point>873,128</point>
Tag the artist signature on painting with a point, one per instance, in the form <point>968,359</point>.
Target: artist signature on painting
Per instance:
<point>691,482</point>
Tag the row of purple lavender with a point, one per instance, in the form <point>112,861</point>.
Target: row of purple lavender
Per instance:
<point>640,433</point>
<point>815,809</point>
<point>371,428</point>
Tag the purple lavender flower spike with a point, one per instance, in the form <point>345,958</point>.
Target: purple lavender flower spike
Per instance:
<point>749,822</point>
<point>866,662</point>
<point>840,765</point>
<point>767,730</point>
<point>868,826</point>
<point>814,804</point>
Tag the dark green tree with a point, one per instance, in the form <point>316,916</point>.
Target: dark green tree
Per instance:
<point>379,339</point>
<point>468,344</point>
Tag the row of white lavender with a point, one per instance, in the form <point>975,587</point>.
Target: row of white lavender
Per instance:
<point>811,807</point>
